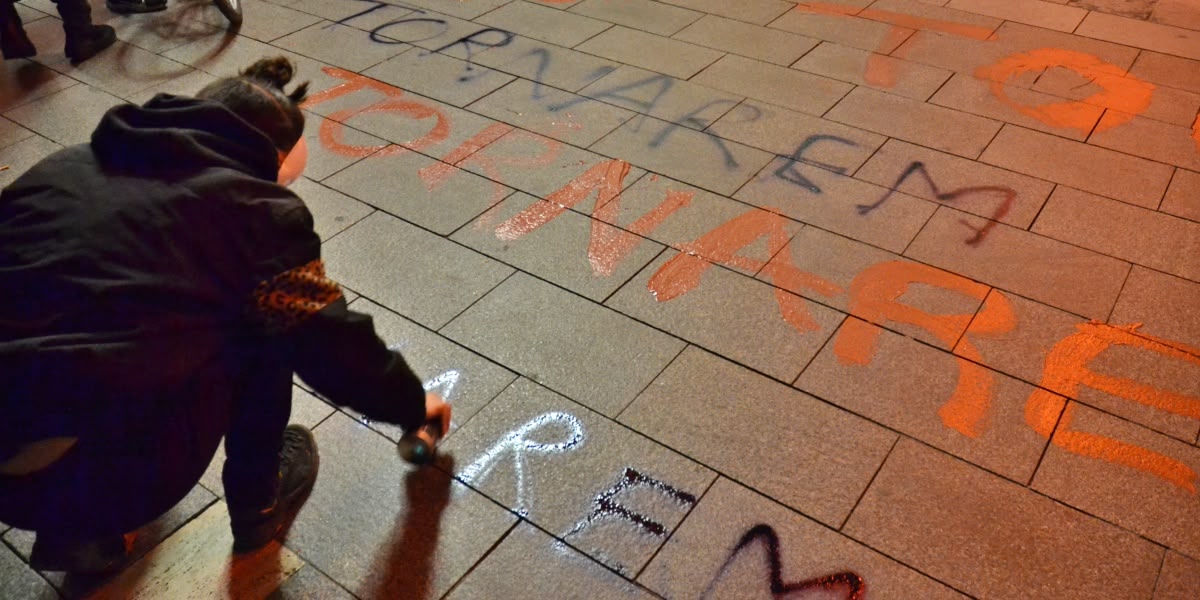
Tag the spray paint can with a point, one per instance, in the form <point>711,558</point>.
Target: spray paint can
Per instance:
<point>419,446</point>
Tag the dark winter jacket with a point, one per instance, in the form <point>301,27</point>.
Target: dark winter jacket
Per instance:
<point>131,266</point>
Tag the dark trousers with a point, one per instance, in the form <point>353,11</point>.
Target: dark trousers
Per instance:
<point>105,485</point>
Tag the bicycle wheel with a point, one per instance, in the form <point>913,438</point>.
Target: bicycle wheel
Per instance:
<point>232,9</point>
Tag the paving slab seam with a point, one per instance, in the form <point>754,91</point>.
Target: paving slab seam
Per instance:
<point>671,533</point>
<point>486,553</point>
<point>842,526</point>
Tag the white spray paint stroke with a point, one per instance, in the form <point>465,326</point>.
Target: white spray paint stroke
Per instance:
<point>445,382</point>
<point>517,442</point>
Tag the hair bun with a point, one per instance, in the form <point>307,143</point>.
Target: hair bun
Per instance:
<point>277,71</point>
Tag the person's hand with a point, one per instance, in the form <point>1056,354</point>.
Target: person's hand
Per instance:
<point>437,411</point>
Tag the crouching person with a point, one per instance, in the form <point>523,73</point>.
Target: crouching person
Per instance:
<point>159,287</point>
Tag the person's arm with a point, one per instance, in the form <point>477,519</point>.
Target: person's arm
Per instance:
<point>336,350</point>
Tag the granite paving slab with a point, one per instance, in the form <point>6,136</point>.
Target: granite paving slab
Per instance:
<point>546,63</point>
<point>309,583</point>
<point>967,185</point>
<point>418,189</point>
<point>732,541</point>
<point>850,276</point>
<point>1160,302</point>
<point>67,117</point>
<point>542,166</point>
<point>543,22</point>
<point>199,561</point>
<point>549,570</point>
<point>749,321</point>
<point>804,453</point>
<point>660,96</point>
<point>23,81</point>
<point>1144,495</point>
<point>584,255</point>
<point>574,355</point>
<point>734,36</point>
<point>832,201</point>
<point>17,580</point>
<point>553,113</point>
<point>439,76</point>
<point>698,158</point>
<point>339,45</point>
<point>926,394</point>
<point>819,142</point>
<point>1183,197</point>
<point>333,147</point>
<point>19,157</point>
<point>1179,579</point>
<point>414,532</point>
<point>1127,232</point>
<point>11,133</point>
<point>789,88</point>
<point>601,488</point>
<point>691,214</point>
<point>1019,261</point>
<point>332,211</point>
<point>409,270</point>
<point>991,538</point>
<point>647,15</point>
<point>649,51</point>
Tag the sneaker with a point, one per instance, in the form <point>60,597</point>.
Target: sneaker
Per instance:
<point>95,557</point>
<point>298,465</point>
<point>125,7</point>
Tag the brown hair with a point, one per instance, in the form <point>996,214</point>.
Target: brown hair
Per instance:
<point>257,96</point>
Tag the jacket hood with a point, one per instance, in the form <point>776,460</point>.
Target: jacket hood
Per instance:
<point>179,135</point>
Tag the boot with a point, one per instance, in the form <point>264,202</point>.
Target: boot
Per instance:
<point>254,527</point>
<point>84,40</point>
<point>13,41</point>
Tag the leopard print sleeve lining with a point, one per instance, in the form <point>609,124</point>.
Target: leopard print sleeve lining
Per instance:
<point>286,300</point>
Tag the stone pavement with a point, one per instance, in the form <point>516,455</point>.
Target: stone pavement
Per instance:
<point>733,298</point>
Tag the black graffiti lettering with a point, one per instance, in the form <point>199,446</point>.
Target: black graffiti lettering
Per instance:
<point>606,506</point>
<point>377,34</point>
<point>1009,195</point>
<point>469,42</point>
<point>543,56</point>
<point>693,119</point>
<point>665,84</point>
<point>344,20</point>
<point>790,173</point>
<point>850,582</point>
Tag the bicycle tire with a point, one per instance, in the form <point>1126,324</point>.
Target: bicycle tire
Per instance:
<point>232,9</point>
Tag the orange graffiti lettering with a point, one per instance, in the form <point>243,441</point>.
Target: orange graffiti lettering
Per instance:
<point>682,273</point>
<point>608,245</point>
<point>1067,370</point>
<point>436,174</point>
<point>1196,132</point>
<point>333,127</point>
<point>1126,95</point>
<point>491,164</point>
<point>875,295</point>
